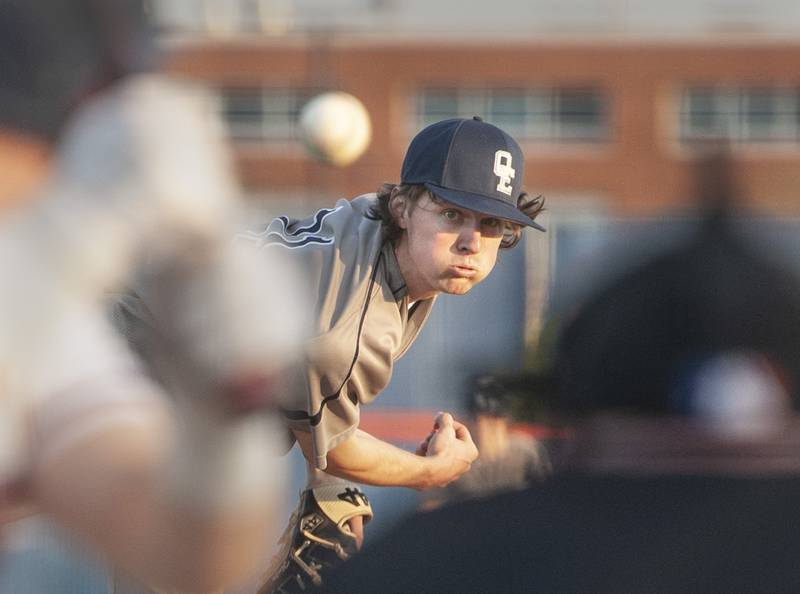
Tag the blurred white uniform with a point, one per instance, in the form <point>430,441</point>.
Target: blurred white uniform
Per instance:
<point>144,165</point>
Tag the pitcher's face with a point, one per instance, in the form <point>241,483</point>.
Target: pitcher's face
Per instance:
<point>446,248</point>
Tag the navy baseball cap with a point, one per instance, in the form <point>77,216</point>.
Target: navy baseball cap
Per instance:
<point>469,163</point>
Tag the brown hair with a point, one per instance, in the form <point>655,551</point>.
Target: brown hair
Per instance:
<point>381,211</point>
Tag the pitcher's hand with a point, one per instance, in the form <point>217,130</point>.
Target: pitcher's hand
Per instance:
<point>451,443</point>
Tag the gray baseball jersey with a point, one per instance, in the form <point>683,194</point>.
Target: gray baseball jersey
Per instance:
<point>363,318</point>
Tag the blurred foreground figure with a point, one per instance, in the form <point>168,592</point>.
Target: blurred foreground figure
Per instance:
<point>97,159</point>
<point>508,461</point>
<point>686,468</point>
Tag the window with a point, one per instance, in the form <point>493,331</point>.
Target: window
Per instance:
<point>532,114</point>
<point>740,114</point>
<point>263,115</point>
<point>579,114</point>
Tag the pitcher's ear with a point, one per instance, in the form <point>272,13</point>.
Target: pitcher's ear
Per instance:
<point>398,206</point>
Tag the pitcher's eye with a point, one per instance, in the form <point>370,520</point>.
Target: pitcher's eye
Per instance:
<point>451,215</point>
<point>492,227</point>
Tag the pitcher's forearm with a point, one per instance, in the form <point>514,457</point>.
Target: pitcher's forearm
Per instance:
<point>368,460</point>
<point>365,459</point>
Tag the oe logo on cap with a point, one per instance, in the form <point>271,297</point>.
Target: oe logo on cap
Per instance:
<point>504,171</point>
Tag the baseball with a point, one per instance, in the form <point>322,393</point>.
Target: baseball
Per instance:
<point>335,128</point>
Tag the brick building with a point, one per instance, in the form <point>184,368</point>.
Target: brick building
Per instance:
<point>616,122</point>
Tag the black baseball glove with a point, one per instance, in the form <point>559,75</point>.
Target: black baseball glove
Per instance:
<point>316,538</point>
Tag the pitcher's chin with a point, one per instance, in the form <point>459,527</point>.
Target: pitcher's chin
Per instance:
<point>458,286</point>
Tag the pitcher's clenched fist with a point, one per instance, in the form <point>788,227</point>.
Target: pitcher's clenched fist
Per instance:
<point>450,442</point>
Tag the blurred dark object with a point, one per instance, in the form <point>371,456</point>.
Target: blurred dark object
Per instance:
<point>628,347</point>
<point>53,54</point>
<point>604,534</point>
<point>533,397</point>
<point>488,397</point>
